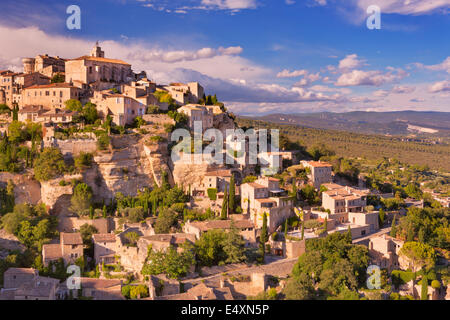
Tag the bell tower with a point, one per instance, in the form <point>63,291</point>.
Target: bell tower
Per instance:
<point>97,51</point>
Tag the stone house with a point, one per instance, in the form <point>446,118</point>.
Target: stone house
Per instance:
<point>123,109</point>
<point>69,249</point>
<point>185,93</point>
<point>98,289</point>
<point>343,199</point>
<point>198,114</point>
<point>321,172</point>
<point>26,284</point>
<point>50,95</point>
<point>383,252</point>
<point>246,227</point>
<point>105,248</point>
<point>265,196</point>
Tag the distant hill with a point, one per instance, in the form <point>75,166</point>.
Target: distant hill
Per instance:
<point>386,123</point>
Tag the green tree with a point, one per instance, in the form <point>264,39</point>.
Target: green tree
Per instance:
<point>393,232</point>
<point>81,199</point>
<point>263,239</point>
<point>224,212</point>
<point>419,255</point>
<point>233,246</point>
<point>232,198</point>
<point>424,289</point>
<point>381,217</point>
<point>73,105</point>
<point>49,164</point>
<point>167,218</point>
<point>299,288</point>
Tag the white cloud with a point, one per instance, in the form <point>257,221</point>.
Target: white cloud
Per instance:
<point>291,74</point>
<point>381,93</point>
<point>403,89</point>
<point>230,4</point>
<point>407,7</point>
<point>444,66</point>
<point>368,78</point>
<point>350,62</point>
<point>442,86</point>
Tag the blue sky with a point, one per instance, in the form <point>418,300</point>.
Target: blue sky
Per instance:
<point>259,56</point>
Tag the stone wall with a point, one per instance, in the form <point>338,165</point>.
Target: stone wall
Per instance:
<point>75,146</point>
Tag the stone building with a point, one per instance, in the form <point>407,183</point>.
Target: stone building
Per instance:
<point>123,109</point>
<point>321,172</point>
<point>343,199</point>
<point>383,252</point>
<point>51,95</point>
<point>185,93</point>
<point>265,196</point>
<point>96,68</point>
<point>26,284</point>
<point>198,114</point>
<point>44,64</point>
<point>69,249</point>
<point>246,228</point>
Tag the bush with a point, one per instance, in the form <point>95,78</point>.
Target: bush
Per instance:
<point>103,141</point>
<point>435,284</point>
<point>153,109</point>
<point>401,277</point>
<point>212,194</point>
<point>84,160</point>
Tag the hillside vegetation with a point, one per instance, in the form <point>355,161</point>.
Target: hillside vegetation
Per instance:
<point>374,147</point>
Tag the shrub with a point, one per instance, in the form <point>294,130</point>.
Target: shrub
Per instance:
<point>153,109</point>
<point>103,141</point>
<point>435,284</point>
<point>212,193</point>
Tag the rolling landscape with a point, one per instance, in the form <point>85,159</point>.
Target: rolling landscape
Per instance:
<point>419,123</point>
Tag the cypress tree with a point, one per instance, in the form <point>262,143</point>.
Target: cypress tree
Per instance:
<point>91,212</point>
<point>154,207</point>
<point>411,234</point>
<point>325,224</point>
<point>381,217</point>
<point>232,197</point>
<point>224,213</point>
<point>105,212</point>
<point>263,239</point>
<point>422,235</point>
<point>394,228</point>
<point>285,228</point>
<point>424,291</point>
<point>303,230</point>
<point>349,235</point>
<point>146,207</point>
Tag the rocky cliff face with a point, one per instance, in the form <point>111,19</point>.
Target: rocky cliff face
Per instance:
<point>56,197</point>
<point>26,189</point>
<point>132,165</point>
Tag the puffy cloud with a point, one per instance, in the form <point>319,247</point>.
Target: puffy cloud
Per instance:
<point>442,86</point>
<point>350,62</point>
<point>291,74</point>
<point>308,79</point>
<point>369,78</point>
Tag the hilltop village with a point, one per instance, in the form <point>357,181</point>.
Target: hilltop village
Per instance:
<point>87,180</point>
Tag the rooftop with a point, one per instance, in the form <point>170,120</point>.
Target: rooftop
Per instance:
<point>89,58</point>
<point>71,238</point>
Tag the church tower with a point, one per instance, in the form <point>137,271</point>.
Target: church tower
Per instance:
<point>97,51</point>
